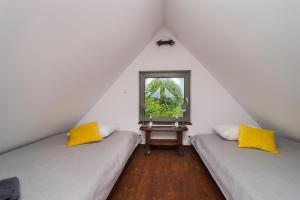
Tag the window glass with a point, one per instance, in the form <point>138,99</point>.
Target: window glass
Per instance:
<point>165,96</point>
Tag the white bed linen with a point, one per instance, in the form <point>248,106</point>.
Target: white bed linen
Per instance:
<point>251,174</point>
<point>48,170</point>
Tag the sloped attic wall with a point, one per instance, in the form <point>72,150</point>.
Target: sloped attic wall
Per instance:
<point>252,48</point>
<point>57,57</point>
<point>210,103</point>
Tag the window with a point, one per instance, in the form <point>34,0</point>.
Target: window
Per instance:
<point>165,96</point>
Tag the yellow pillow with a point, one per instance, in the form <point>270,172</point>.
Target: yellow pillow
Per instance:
<point>85,133</point>
<point>257,138</point>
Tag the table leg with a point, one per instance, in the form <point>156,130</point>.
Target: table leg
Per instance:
<point>179,144</point>
<point>147,145</point>
<point>147,150</point>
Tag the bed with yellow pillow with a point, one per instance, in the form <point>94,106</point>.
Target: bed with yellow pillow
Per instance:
<point>244,173</point>
<point>49,170</point>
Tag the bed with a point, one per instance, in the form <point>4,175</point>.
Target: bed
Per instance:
<point>250,174</point>
<point>48,170</point>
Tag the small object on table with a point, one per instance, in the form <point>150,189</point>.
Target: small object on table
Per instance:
<point>164,142</point>
<point>176,124</point>
<point>150,122</point>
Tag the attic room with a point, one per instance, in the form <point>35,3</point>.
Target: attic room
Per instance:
<point>149,100</point>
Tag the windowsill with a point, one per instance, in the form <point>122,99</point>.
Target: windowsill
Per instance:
<point>166,123</point>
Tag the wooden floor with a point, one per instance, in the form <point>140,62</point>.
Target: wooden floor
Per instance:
<point>165,176</point>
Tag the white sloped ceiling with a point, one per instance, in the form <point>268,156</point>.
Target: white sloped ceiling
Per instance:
<point>57,58</point>
<point>252,48</point>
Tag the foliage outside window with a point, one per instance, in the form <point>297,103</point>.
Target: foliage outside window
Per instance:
<point>164,96</point>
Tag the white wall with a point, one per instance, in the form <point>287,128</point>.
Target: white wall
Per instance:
<point>210,103</point>
<point>252,48</point>
<point>57,58</point>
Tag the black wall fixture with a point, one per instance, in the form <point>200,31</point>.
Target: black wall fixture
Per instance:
<point>165,42</point>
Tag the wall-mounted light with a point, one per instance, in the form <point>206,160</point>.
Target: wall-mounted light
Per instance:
<point>165,42</point>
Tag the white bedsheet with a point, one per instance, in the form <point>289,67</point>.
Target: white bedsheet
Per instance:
<point>48,170</point>
<point>251,174</point>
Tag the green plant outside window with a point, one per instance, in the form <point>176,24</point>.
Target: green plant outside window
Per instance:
<point>165,96</point>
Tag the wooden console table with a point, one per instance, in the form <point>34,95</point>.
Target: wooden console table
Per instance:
<point>163,142</point>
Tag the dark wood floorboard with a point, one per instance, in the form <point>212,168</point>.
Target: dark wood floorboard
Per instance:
<point>165,176</point>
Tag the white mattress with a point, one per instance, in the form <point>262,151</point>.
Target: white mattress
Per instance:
<point>48,170</point>
<point>250,174</point>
